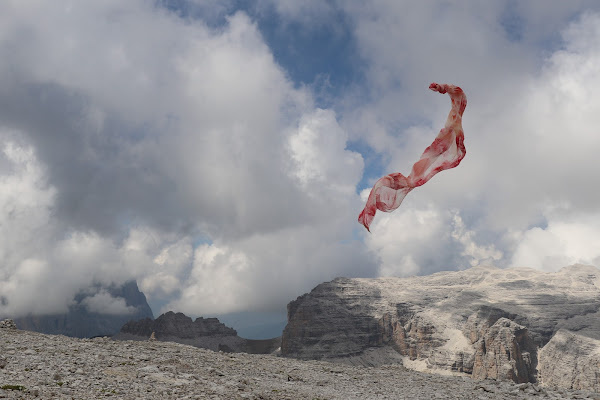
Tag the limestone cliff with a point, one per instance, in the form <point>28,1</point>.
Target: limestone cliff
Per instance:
<point>484,321</point>
<point>570,361</point>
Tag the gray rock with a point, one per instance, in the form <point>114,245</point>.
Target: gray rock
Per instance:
<point>177,325</point>
<point>570,360</point>
<point>506,351</point>
<point>207,333</point>
<point>482,322</point>
<point>97,368</point>
<point>8,324</point>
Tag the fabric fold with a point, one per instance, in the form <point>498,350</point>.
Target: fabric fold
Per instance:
<point>446,151</point>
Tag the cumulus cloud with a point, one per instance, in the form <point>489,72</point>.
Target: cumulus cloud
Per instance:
<point>43,265</point>
<point>319,157</point>
<point>399,241</point>
<point>138,144</point>
<point>423,239</point>
<point>568,238</point>
<point>557,193</point>
<point>147,125</point>
<point>529,127</point>
<point>142,141</point>
<point>476,253</point>
<point>215,264</point>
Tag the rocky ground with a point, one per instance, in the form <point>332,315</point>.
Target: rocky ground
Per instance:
<point>34,365</point>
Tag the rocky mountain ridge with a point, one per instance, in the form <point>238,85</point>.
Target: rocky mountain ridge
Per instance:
<point>484,322</point>
<point>178,325</point>
<point>207,333</point>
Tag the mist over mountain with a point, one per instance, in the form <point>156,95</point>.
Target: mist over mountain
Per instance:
<point>95,311</point>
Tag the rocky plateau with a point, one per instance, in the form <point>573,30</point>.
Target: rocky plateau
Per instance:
<point>521,325</point>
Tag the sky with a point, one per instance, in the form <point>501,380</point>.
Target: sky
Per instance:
<point>219,152</point>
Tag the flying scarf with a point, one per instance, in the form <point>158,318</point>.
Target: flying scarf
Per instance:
<point>446,151</point>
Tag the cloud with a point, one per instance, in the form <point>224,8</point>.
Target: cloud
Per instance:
<point>569,238</point>
<point>43,265</point>
<point>153,147</point>
<point>320,161</point>
<point>422,239</point>
<point>215,264</point>
<point>477,254</point>
<point>166,143</point>
<point>529,127</point>
<point>310,13</point>
<point>138,129</point>
<point>24,202</point>
<point>103,303</point>
<point>556,165</point>
<point>399,241</point>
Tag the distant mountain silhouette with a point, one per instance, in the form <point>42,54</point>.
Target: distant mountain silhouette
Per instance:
<point>206,333</point>
<point>85,318</point>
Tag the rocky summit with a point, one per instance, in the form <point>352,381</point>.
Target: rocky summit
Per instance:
<point>39,366</point>
<point>207,333</point>
<point>521,325</point>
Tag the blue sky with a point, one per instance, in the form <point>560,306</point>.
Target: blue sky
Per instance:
<point>219,152</point>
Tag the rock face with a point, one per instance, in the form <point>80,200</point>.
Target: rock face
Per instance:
<point>572,361</point>
<point>484,321</point>
<point>83,321</point>
<point>505,352</point>
<point>207,333</point>
<point>178,325</point>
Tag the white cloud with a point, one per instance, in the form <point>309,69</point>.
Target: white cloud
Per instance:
<point>103,303</point>
<point>129,135</point>
<point>24,203</point>
<point>216,283</point>
<point>320,161</point>
<point>567,239</point>
<point>421,239</point>
<point>530,132</point>
<point>404,242</point>
<point>152,132</point>
<point>477,254</point>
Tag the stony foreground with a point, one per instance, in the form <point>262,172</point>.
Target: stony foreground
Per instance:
<point>58,367</point>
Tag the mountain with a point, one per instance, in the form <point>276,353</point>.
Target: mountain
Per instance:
<point>96,311</point>
<point>206,333</point>
<point>484,322</point>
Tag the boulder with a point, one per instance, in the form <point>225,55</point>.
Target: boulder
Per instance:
<point>8,324</point>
